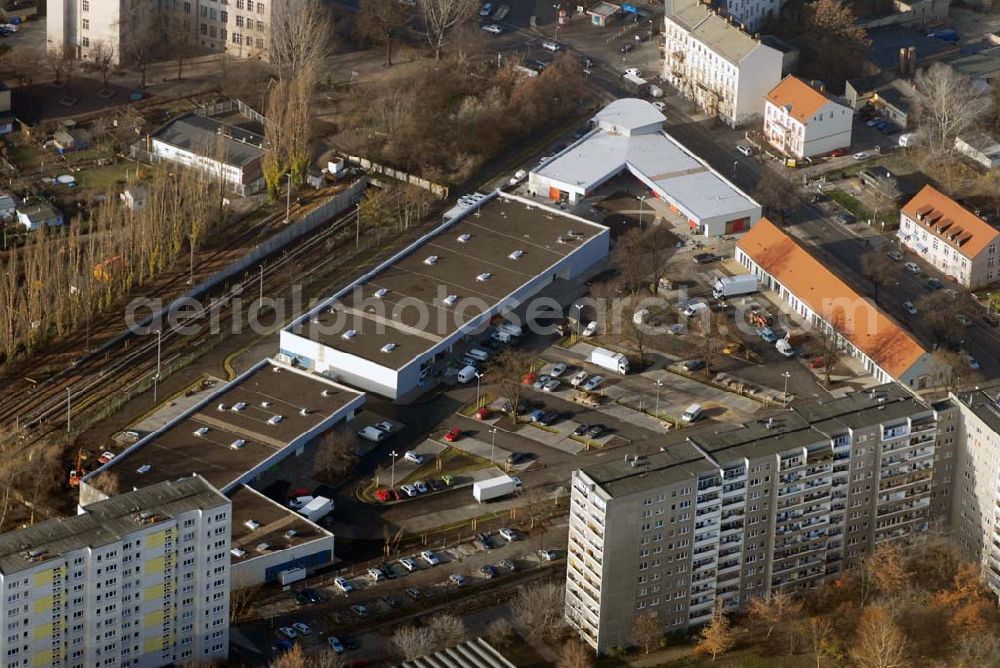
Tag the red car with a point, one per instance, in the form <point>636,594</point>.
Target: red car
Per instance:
<point>483,413</point>
<point>529,378</point>
<point>816,363</point>
<point>453,434</point>
<point>383,495</point>
<point>836,153</point>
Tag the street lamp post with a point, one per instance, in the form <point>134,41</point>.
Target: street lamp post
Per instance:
<point>288,200</point>
<point>642,202</point>
<point>579,311</point>
<point>493,443</point>
<point>659,384</point>
<point>69,405</point>
<point>392,478</point>
<point>357,226</point>
<point>479,377</point>
<point>159,347</point>
<point>736,164</point>
<point>784,394</point>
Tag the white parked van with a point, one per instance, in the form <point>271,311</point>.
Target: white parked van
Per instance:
<point>478,355</point>
<point>512,330</point>
<point>373,434</point>
<point>467,374</point>
<point>500,336</point>
<point>551,46</point>
<point>692,413</point>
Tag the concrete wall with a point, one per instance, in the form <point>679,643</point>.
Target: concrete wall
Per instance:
<point>759,72</point>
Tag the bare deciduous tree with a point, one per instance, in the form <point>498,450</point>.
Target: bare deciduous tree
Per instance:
<point>241,602</point>
<point>575,654</point>
<point>506,372</point>
<point>57,62</point>
<point>499,632</point>
<point>440,18</point>
<point>774,611</point>
<point>379,22</point>
<point>538,609</point>
<point>878,268</point>
<point>817,633</point>
<point>448,630</point>
<point>300,36</point>
<point>413,642</point>
<point>947,104</point>
<point>102,54</point>
<point>646,632</point>
<point>880,643</point>
<point>335,454</point>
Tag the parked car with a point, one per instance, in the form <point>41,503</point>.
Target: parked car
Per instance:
<point>862,155</point>
<point>744,149</point>
<point>547,418</point>
<point>106,457</point>
<point>414,457</point>
<point>660,106</point>
<point>302,628</point>
<point>420,486</point>
<point>895,255</point>
<point>483,413</point>
<point>413,593</point>
<point>300,598</point>
<point>540,381</point>
<point>547,555</point>
<point>705,258</point>
<point>694,365</point>
<point>457,579</point>
<point>551,386</point>
<point>389,602</point>
<point>484,540</point>
<point>453,434</point>
<point>383,495</point>
<point>344,585</point>
<point>409,490</point>
<point>558,370</point>
<point>816,362</point>
<point>516,458</point>
<point>508,534</point>
<point>578,378</point>
<point>384,426</point>
<point>931,283</point>
<point>314,595</point>
<point>593,383</point>
<point>971,361</point>
<point>590,329</point>
<point>913,268</point>
<point>910,308</point>
<point>335,644</point>
<point>486,9</point>
<point>847,218</point>
<point>581,429</point>
<point>288,632</point>
<point>489,571</point>
<point>493,29</point>
<point>408,563</point>
<point>431,558</point>
<point>359,610</point>
<point>509,565</point>
<point>626,47</point>
<point>596,431</point>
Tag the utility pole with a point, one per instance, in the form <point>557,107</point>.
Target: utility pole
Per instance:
<point>493,443</point>
<point>392,479</point>
<point>288,200</point>
<point>69,407</point>
<point>159,343</point>
<point>357,227</point>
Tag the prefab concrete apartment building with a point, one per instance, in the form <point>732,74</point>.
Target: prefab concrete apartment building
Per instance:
<point>734,512</point>
<point>385,331</point>
<point>140,579</point>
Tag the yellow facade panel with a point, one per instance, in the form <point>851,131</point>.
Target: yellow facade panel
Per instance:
<point>153,593</point>
<point>43,605</point>
<point>153,566</point>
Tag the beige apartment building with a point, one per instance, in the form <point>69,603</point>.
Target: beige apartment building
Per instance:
<point>139,579</point>
<point>955,240</point>
<point>240,28</point>
<point>736,512</point>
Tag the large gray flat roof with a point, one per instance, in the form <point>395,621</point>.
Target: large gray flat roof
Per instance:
<point>414,289</point>
<point>279,527</point>
<point>984,406</point>
<point>657,158</point>
<point>177,451</point>
<point>106,521</point>
<point>209,137</point>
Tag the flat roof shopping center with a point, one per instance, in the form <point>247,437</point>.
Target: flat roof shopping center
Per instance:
<point>383,332</point>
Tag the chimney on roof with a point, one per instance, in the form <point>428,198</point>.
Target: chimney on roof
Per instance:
<point>903,61</point>
<point>911,60</point>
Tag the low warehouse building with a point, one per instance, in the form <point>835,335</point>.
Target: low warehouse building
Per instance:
<point>384,332</point>
<point>629,137</point>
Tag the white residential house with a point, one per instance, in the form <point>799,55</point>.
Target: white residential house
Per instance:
<point>710,60</point>
<point>35,216</point>
<point>752,13</point>
<point>801,121</point>
<point>955,240</point>
<point>979,147</point>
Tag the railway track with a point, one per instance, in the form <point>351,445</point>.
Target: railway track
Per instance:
<point>52,404</point>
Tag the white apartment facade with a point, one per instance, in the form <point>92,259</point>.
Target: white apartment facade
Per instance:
<point>711,61</point>
<point>141,579</point>
<point>752,14</point>
<point>240,28</point>
<point>738,514</point>
<point>955,240</point>
<point>802,122</point>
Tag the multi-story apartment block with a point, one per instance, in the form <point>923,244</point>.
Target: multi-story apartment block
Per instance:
<point>710,60</point>
<point>801,121</point>
<point>975,503</point>
<point>752,14</point>
<point>953,239</point>
<point>140,579</point>
<point>78,27</point>
<point>738,512</point>
<point>240,28</point>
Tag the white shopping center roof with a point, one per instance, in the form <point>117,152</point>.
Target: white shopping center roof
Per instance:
<point>652,156</point>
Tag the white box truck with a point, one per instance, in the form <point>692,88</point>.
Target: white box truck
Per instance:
<point>606,359</point>
<point>734,286</point>
<point>317,509</point>
<point>493,488</point>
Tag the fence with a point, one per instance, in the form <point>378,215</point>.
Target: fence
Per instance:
<point>229,106</point>
<point>435,188</point>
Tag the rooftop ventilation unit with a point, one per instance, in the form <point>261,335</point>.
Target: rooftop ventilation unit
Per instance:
<point>145,468</point>
<point>239,405</point>
<point>290,534</point>
<point>516,255</point>
<point>238,443</point>
<point>349,334</point>
<point>485,276</point>
<point>275,419</point>
<point>238,553</point>
<point>222,407</point>
<point>381,292</point>
<point>326,393</point>
<point>263,547</point>
<point>314,320</point>
<point>450,300</point>
<point>201,431</point>
<point>265,403</point>
<point>253,525</point>
<point>464,238</point>
<point>431,259</point>
<point>303,411</point>
<point>388,348</point>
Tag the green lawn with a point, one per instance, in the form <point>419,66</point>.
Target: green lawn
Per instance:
<point>451,460</point>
